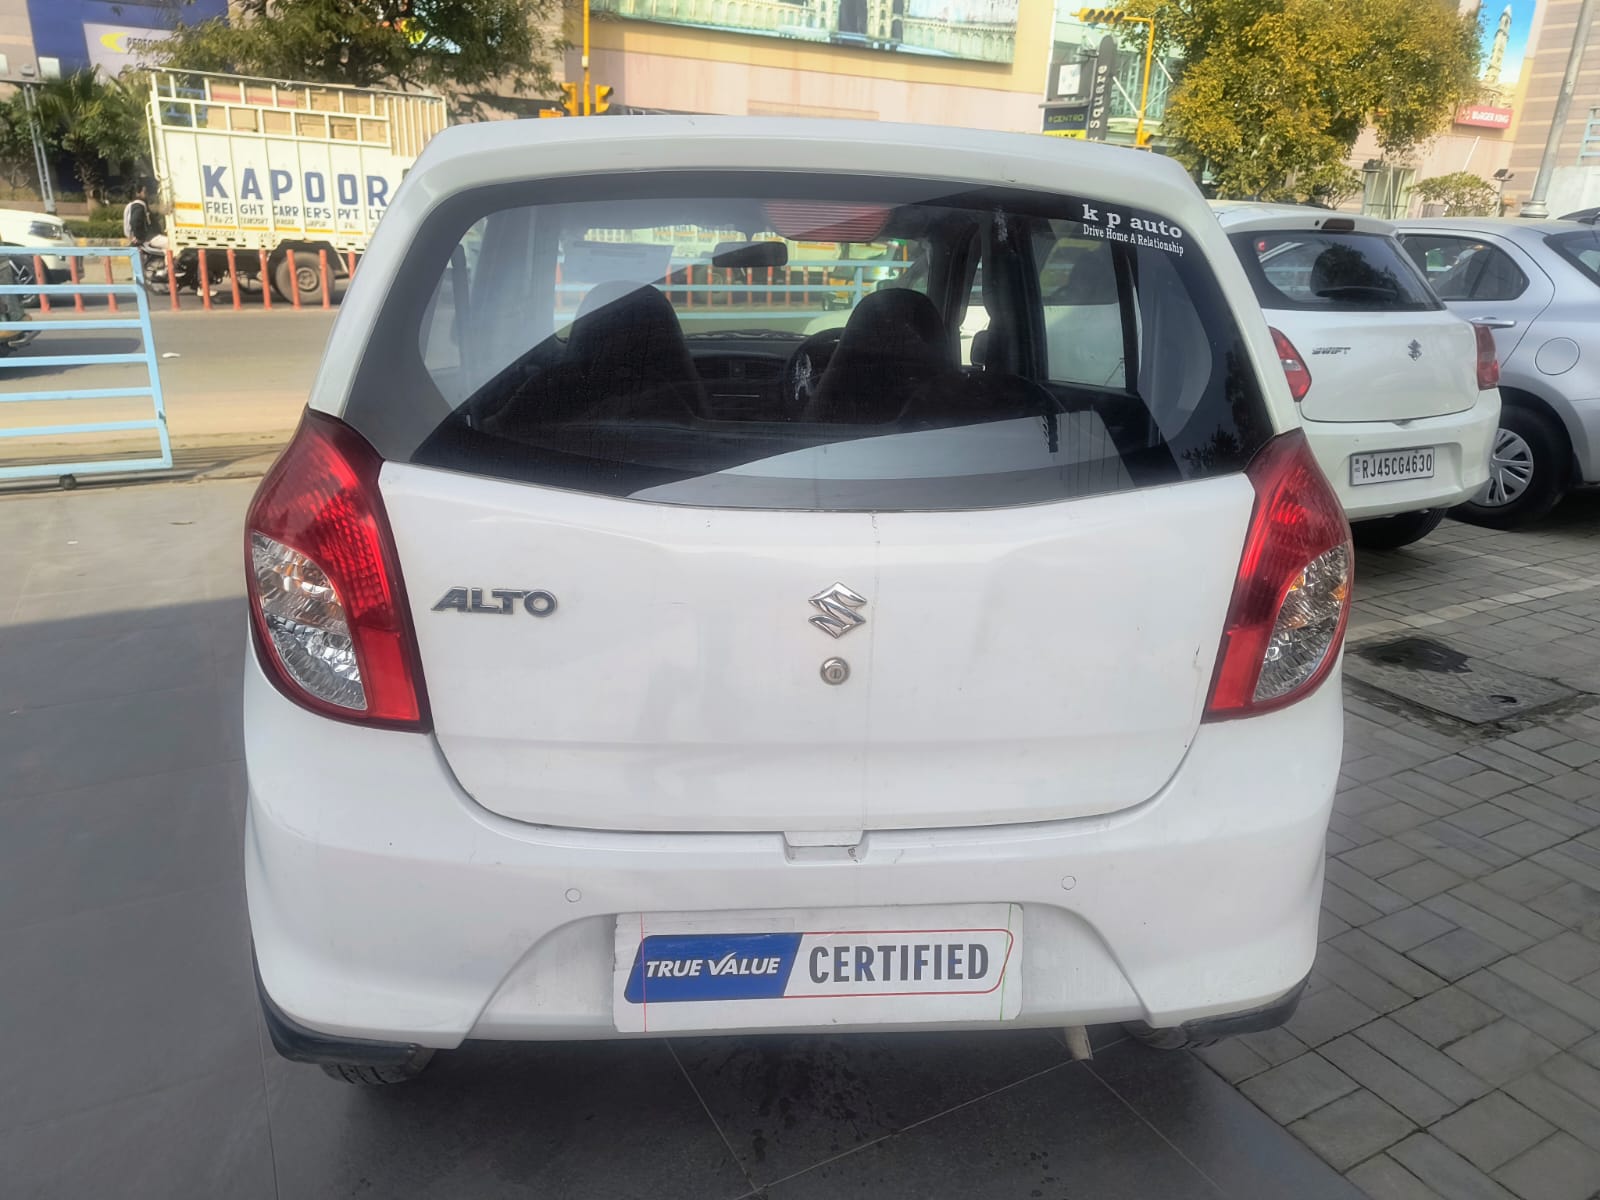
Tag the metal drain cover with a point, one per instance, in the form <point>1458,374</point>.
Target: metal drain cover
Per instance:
<point>1437,676</point>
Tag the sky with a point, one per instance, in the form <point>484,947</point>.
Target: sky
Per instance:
<point>1521,23</point>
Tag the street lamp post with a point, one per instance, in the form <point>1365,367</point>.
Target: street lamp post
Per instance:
<point>1501,177</point>
<point>41,158</point>
<point>1536,207</point>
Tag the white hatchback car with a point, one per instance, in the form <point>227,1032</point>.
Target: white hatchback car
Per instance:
<point>627,660</point>
<point>41,232</point>
<point>1399,395</point>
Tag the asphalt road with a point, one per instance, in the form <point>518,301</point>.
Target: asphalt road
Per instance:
<point>230,379</point>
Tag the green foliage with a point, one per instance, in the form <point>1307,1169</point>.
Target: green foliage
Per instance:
<point>454,46</point>
<point>99,122</point>
<point>1274,93</point>
<point>1462,193</point>
<point>103,224</point>
<point>16,146</point>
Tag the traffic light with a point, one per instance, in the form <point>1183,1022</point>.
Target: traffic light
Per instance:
<point>574,101</point>
<point>1101,16</point>
<point>602,98</point>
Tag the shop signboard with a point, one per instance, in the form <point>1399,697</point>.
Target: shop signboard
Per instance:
<point>981,30</point>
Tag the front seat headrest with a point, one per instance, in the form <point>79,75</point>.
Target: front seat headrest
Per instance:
<point>895,340</point>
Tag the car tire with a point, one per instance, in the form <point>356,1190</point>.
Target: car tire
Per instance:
<point>1166,1039</point>
<point>307,274</point>
<point>378,1076</point>
<point>1390,533</point>
<point>1530,450</point>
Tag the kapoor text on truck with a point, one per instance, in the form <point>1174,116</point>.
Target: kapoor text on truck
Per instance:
<point>266,167</point>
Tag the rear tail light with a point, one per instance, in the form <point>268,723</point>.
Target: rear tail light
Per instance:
<point>333,631</point>
<point>1291,598</point>
<point>1488,364</point>
<point>1294,366</point>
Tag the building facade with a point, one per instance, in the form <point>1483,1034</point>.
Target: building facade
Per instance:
<point>1501,135</point>
<point>975,63</point>
<point>1578,157</point>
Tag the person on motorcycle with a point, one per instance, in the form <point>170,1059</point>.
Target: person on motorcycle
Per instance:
<point>11,308</point>
<point>138,226</point>
<point>143,230</point>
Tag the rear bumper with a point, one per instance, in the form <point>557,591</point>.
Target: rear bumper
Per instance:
<point>1461,442</point>
<point>299,1044</point>
<point>387,907</point>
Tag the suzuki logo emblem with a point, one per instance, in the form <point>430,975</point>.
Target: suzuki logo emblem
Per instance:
<point>836,610</point>
<point>1415,350</point>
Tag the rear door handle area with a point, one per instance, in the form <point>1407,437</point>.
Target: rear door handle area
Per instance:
<point>1495,322</point>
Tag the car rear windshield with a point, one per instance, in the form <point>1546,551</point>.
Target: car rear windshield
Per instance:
<point>816,343</point>
<point>1316,270</point>
<point>1581,248</point>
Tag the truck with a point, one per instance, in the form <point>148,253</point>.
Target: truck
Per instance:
<point>279,172</point>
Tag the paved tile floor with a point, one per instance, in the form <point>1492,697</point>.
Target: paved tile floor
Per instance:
<point>1448,1044</point>
<point>1449,1048</point>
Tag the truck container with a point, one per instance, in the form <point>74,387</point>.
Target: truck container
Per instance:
<point>265,167</point>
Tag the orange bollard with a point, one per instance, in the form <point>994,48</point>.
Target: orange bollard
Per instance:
<point>111,297</point>
<point>233,278</point>
<point>294,282</point>
<point>39,277</point>
<point>350,263</point>
<point>204,282</point>
<point>72,270</point>
<point>172,282</point>
<point>322,259</point>
<point>266,282</point>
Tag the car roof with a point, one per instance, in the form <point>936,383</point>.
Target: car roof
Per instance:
<point>489,152</point>
<point>1239,215</point>
<point>1518,229</point>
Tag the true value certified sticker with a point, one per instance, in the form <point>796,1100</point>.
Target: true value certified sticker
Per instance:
<point>817,967</point>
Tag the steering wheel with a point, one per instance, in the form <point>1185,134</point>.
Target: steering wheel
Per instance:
<point>801,374</point>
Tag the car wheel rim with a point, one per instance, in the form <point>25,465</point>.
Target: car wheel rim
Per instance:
<point>1510,470</point>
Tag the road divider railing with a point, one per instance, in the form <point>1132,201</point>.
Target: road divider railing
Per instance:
<point>84,264</point>
<point>695,286</point>
<point>240,267</point>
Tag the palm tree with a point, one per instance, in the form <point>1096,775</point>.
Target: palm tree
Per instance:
<point>99,122</point>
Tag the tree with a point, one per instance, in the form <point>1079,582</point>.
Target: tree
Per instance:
<point>17,168</point>
<point>98,122</point>
<point>456,46</point>
<point>1462,193</point>
<point>1274,93</point>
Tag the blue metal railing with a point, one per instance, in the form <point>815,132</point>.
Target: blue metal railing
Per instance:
<point>151,389</point>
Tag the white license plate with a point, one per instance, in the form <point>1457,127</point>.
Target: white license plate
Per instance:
<point>1387,466</point>
<point>677,972</point>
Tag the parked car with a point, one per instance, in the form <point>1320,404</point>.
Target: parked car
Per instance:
<point>1536,285</point>
<point>41,232</point>
<point>1584,216</point>
<point>606,681</point>
<point>1398,394</point>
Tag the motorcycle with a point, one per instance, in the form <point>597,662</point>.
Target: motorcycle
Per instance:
<point>11,309</point>
<point>186,269</point>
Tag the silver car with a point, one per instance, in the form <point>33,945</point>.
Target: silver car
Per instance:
<point>1536,284</point>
